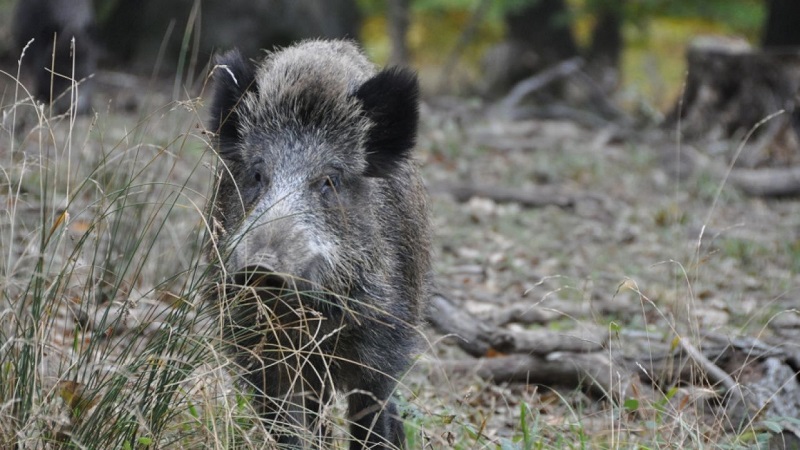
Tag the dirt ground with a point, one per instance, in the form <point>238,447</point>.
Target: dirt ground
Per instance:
<point>652,242</point>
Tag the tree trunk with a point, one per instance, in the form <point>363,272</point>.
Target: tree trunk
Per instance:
<point>538,36</point>
<point>731,88</point>
<point>543,27</point>
<point>137,32</point>
<point>749,96</point>
<point>780,29</point>
<point>605,49</point>
<point>399,19</point>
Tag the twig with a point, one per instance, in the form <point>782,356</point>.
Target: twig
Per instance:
<point>604,106</point>
<point>594,371</point>
<point>742,405</point>
<point>538,81</point>
<point>584,339</point>
<point>768,182</point>
<point>472,335</point>
<point>541,196</point>
<point>713,372</point>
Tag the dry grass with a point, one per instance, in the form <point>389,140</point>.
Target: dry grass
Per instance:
<point>105,343</point>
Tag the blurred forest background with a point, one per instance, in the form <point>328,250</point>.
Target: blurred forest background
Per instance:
<point>633,47</point>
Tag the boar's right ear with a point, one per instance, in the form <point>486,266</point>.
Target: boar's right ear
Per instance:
<point>234,76</point>
<point>391,101</point>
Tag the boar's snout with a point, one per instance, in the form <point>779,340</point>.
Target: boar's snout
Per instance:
<point>259,276</point>
<point>262,279</point>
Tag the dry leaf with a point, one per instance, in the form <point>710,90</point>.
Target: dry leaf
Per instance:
<point>74,395</point>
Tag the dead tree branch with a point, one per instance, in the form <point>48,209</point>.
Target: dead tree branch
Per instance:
<point>541,196</point>
<point>537,82</point>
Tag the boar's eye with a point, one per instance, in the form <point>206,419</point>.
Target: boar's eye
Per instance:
<point>329,184</point>
<point>258,178</point>
<point>258,175</point>
<point>257,182</point>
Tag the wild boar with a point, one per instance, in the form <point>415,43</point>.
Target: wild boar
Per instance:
<point>321,235</point>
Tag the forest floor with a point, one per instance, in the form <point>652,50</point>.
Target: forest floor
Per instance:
<point>652,246</point>
<point>649,247</point>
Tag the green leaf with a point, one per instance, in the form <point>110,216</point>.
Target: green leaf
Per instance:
<point>524,411</point>
<point>193,411</point>
<point>772,426</point>
<point>671,392</point>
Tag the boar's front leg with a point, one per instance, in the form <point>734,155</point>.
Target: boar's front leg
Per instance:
<point>374,423</point>
<point>290,411</point>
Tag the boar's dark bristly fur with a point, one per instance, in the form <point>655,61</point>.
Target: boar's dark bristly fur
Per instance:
<point>321,237</point>
<point>238,78</point>
<point>390,99</point>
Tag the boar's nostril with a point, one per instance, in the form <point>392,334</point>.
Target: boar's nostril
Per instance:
<point>261,278</point>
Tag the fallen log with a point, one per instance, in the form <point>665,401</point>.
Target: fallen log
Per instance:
<point>768,182</point>
<point>594,371</point>
<point>479,337</point>
<point>752,379</point>
<point>583,339</point>
<point>530,198</point>
<point>472,335</point>
<point>537,82</point>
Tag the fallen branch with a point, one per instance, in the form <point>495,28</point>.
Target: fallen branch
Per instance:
<point>594,371</point>
<point>768,182</point>
<point>714,374</point>
<point>584,339</point>
<point>541,196</point>
<point>541,313</point>
<point>537,82</point>
<point>560,112</point>
<point>530,314</point>
<point>754,379</point>
<point>472,335</point>
<point>480,337</point>
<point>764,182</point>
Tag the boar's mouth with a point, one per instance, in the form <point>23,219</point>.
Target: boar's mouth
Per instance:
<point>277,291</point>
<point>263,280</point>
<point>262,300</point>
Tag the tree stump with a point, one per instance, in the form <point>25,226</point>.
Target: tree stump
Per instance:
<point>730,88</point>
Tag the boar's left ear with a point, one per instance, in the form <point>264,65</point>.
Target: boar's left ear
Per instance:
<point>233,77</point>
<point>391,100</point>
